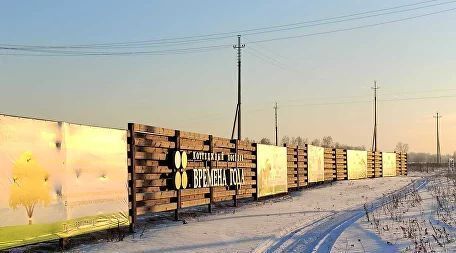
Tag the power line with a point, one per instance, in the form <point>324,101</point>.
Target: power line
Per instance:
<point>273,59</point>
<point>42,49</point>
<point>350,28</point>
<point>369,101</point>
<point>184,50</point>
<point>417,92</point>
<point>268,60</point>
<point>217,115</point>
<point>224,35</point>
<point>265,108</point>
<point>345,20</point>
<point>45,52</point>
<point>417,98</point>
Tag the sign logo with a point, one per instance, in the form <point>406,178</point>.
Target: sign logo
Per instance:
<point>206,177</point>
<point>180,164</point>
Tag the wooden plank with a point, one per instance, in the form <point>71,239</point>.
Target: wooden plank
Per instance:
<point>154,130</point>
<point>164,207</point>
<point>148,189</point>
<point>155,195</point>
<point>153,169</point>
<point>192,197</point>
<point>153,143</point>
<point>132,182</point>
<point>153,202</point>
<point>153,156</point>
<point>156,182</point>
<point>194,136</point>
<point>197,202</point>
<point>187,192</point>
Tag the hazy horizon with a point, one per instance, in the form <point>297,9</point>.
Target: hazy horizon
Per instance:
<point>322,83</point>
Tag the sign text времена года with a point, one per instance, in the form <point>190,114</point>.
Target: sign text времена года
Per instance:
<point>206,177</point>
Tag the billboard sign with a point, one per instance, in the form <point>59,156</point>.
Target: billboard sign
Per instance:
<point>356,164</point>
<point>271,170</point>
<point>316,164</point>
<point>389,164</point>
<point>59,180</point>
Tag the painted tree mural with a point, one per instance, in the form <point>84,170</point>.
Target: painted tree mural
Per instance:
<point>30,185</point>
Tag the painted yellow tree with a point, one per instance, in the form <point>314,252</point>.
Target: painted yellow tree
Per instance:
<point>30,185</point>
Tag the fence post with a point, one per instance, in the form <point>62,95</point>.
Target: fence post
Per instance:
<point>179,193</point>
<point>374,164</point>
<point>406,164</point>
<point>306,165</point>
<point>132,172</point>
<point>211,189</point>
<point>236,191</point>
<point>334,170</point>
<point>346,164</point>
<point>256,172</point>
<point>297,164</point>
<point>63,243</point>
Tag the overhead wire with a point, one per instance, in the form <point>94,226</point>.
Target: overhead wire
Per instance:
<point>254,31</point>
<point>269,56</point>
<point>182,50</point>
<point>268,60</point>
<point>48,52</point>
<point>284,105</point>
<point>244,32</point>
<point>349,19</point>
<point>350,28</point>
<point>179,39</point>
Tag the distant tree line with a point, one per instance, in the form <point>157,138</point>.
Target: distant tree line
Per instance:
<point>326,141</point>
<point>421,157</point>
<point>413,157</point>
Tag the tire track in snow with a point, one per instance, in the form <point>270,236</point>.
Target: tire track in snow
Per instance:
<point>321,235</point>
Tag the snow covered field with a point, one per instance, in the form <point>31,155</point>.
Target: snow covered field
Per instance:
<point>324,218</point>
<point>252,226</point>
<point>421,221</point>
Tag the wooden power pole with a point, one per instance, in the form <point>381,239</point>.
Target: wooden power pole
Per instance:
<point>276,126</point>
<point>374,137</point>
<point>437,117</point>
<point>237,117</point>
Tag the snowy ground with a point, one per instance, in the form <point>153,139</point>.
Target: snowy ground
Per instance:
<point>421,221</point>
<point>251,226</point>
<point>254,226</point>
<point>320,236</point>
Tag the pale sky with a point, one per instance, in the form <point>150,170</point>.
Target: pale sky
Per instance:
<point>321,83</point>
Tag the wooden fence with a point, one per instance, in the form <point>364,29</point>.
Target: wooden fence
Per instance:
<point>330,165</point>
<point>157,180</point>
<point>374,164</point>
<point>150,158</point>
<point>401,164</point>
<point>297,167</point>
<point>341,164</point>
<point>151,171</point>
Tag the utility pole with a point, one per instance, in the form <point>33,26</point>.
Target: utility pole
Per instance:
<point>374,138</point>
<point>239,46</point>
<point>276,126</point>
<point>437,117</point>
